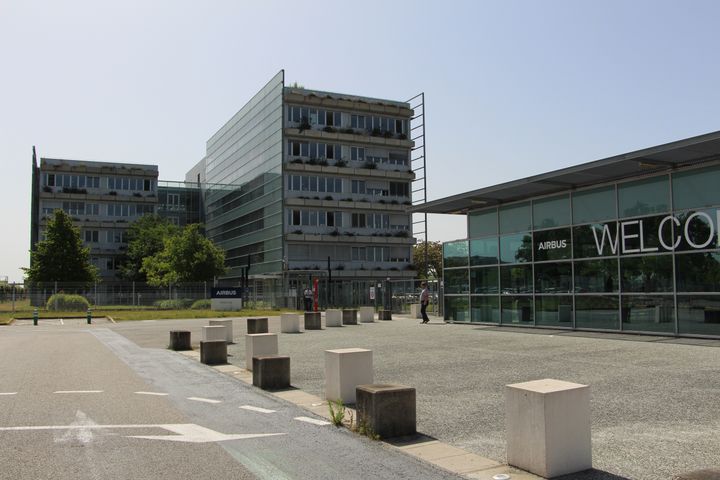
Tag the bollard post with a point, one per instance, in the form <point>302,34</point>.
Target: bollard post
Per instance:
<point>89,316</point>
<point>35,317</point>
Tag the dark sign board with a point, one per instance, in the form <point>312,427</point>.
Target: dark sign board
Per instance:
<point>226,292</point>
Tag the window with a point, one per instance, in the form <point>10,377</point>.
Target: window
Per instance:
<point>553,310</point>
<point>455,254</point>
<point>74,208</point>
<point>147,185</point>
<point>357,121</point>
<point>398,158</point>
<point>484,280</point>
<point>50,180</point>
<point>482,223</point>
<point>516,279</point>
<point>91,236</point>
<point>551,212</point>
<point>515,218</point>
<point>92,209</point>
<point>357,154</point>
<point>484,251</point>
<point>516,248</point>
<point>299,149</point>
<point>358,186</point>
<point>359,220</point>
<point>295,217</point>
<point>399,189</point>
<point>173,201</point>
<point>596,312</point>
<point>358,254</point>
<point>644,197</point>
<point>485,309</point>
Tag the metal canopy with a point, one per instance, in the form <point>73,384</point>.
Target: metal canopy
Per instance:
<point>691,151</point>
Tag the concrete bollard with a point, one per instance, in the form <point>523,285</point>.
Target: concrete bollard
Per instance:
<point>313,321</point>
<point>548,427</point>
<point>367,314</point>
<point>345,369</point>
<point>333,318</point>
<point>257,325</point>
<point>349,317</point>
<point>259,344</point>
<point>415,311</point>
<point>213,352</point>
<point>271,372</point>
<point>290,323</point>
<point>180,340</point>
<point>388,410</point>
<point>35,317</point>
<point>385,315</point>
<point>228,324</point>
<point>213,333</point>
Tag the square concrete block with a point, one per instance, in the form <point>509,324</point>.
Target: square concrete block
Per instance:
<point>388,410</point>
<point>415,311</point>
<point>333,318</point>
<point>349,317</point>
<point>367,314</point>
<point>271,372</point>
<point>385,315</point>
<point>290,323</point>
<point>213,333</point>
<point>259,344</point>
<point>313,321</point>
<point>228,324</point>
<point>257,325</point>
<point>180,340</point>
<point>548,427</point>
<point>345,369</point>
<point>213,352</point>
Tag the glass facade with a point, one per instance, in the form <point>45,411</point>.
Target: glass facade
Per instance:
<point>641,255</point>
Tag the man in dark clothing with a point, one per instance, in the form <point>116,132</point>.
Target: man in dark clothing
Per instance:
<point>424,301</point>
<point>308,294</point>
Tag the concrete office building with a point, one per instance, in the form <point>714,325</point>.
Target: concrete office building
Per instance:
<point>629,243</point>
<point>317,177</point>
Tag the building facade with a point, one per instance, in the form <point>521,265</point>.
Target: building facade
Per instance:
<point>321,188</point>
<point>630,244</point>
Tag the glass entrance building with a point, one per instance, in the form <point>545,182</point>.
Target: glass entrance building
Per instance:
<point>629,243</point>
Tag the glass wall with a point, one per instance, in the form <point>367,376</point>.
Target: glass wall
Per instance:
<point>638,256</point>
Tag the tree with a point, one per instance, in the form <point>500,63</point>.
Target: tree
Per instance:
<point>186,257</point>
<point>146,238</point>
<point>435,259</point>
<point>61,257</point>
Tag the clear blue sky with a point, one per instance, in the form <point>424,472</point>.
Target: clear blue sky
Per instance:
<point>513,88</point>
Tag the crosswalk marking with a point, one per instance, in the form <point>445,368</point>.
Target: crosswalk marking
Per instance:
<point>257,409</point>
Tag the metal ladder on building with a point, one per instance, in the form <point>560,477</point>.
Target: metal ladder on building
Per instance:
<point>418,164</point>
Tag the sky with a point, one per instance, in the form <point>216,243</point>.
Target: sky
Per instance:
<point>513,88</point>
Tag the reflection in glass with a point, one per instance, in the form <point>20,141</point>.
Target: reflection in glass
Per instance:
<point>484,280</point>
<point>645,313</point>
<point>697,230</point>
<point>456,309</point>
<point>649,273</point>
<point>516,279</point>
<point>698,272</point>
<point>699,314</point>
<point>696,188</point>
<point>516,248</point>
<point>552,244</point>
<point>597,312</point>
<point>517,309</point>
<point>456,281</point>
<point>485,309</point>
<point>642,235</point>
<point>484,251</point>
<point>596,275</point>
<point>455,254</point>
<point>644,197</point>
<point>553,310</point>
<point>553,277</point>
<point>515,218</point>
<point>595,240</point>
<point>594,205</point>
<point>551,212</point>
<point>482,223</point>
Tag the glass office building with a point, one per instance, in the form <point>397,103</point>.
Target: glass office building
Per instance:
<point>630,243</point>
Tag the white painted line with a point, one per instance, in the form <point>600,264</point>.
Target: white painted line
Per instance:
<point>61,322</point>
<point>257,409</point>
<point>79,391</point>
<point>152,393</point>
<point>206,400</point>
<point>8,393</point>
<point>312,420</point>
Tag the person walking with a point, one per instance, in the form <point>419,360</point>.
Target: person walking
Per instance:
<point>424,301</point>
<point>308,294</point>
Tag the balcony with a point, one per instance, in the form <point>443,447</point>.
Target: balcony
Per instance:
<point>355,137</point>
<point>347,235</point>
<point>349,169</point>
<point>348,201</point>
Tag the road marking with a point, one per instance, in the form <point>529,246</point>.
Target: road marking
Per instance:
<point>81,435</point>
<point>206,400</point>
<point>61,322</point>
<point>8,393</point>
<point>79,391</point>
<point>152,393</point>
<point>312,420</point>
<point>257,409</point>
<point>186,432</point>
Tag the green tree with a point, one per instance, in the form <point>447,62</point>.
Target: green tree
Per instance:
<point>61,257</point>
<point>146,238</point>
<point>186,257</point>
<point>435,259</point>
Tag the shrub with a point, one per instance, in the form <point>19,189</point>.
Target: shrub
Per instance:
<point>203,304</point>
<point>340,163</point>
<point>176,304</point>
<point>63,302</point>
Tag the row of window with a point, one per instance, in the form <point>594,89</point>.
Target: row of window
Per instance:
<point>695,314</point>
<point>129,209</point>
<point>312,183</point>
<point>67,180</point>
<point>689,272</point>
<point>108,236</point>
<point>94,209</point>
<point>331,118</point>
<point>315,252</point>
<point>323,218</point>
<point>333,151</point>
<point>655,195</point>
